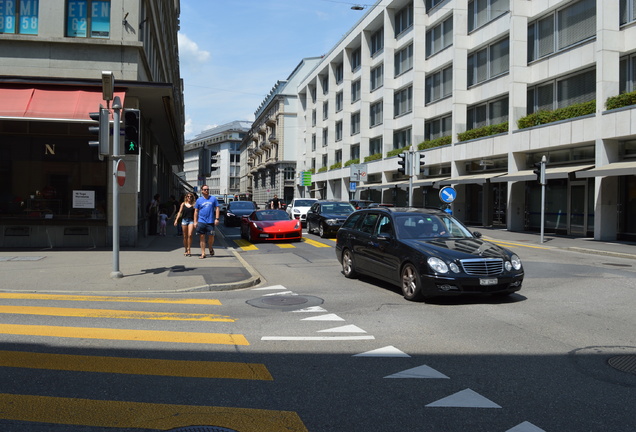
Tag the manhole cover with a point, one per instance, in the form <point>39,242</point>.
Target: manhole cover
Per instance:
<point>202,429</point>
<point>285,302</point>
<point>280,300</point>
<point>623,363</point>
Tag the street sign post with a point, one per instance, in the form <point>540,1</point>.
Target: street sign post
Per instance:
<point>121,173</point>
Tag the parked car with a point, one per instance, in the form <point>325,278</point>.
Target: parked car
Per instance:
<point>298,208</point>
<point>236,210</point>
<point>326,217</point>
<point>360,204</point>
<point>270,225</point>
<point>426,252</point>
<point>380,205</point>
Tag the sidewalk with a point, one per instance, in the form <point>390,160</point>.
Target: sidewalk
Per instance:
<point>157,265</point>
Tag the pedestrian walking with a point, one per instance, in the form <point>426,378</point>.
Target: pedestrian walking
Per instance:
<point>206,217</point>
<point>185,219</point>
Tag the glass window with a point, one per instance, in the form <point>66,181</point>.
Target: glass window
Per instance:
<point>438,127</point>
<point>356,59</point>
<point>404,60</point>
<point>325,110</point>
<point>355,123</point>
<point>19,16</point>
<point>562,92</point>
<point>439,37</point>
<point>355,151</point>
<point>488,62</point>
<point>627,11</point>
<point>439,85</point>
<point>339,73</point>
<point>403,101</point>
<point>339,130</point>
<point>375,145</point>
<point>339,101</point>
<point>377,77</point>
<point>481,12</point>
<point>404,19</point>
<point>88,18</point>
<point>377,42</point>
<point>355,91</point>
<point>402,138</point>
<point>375,114</point>
<point>325,137</point>
<point>489,113</point>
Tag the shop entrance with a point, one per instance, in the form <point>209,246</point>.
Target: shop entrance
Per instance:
<point>577,209</point>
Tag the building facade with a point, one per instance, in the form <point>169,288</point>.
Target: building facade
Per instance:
<point>225,141</point>
<point>273,146</point>
<point>54,189</point>
<point>483,89</point>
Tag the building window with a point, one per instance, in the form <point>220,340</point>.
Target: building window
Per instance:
<point>339,101</point>
<point>438,127</point>
<point>377,42</point>
<point>338,156</point>
<point>355,151</point>
<point>489,113</point>
<point>88,18</point>
<point>627,11</point>
<point>375,145</point>
<point>562,29</point>
<point>312,92</point>
<point>19,16</point>
<point>563,92</point>
<point>439,85</point>
<point>355,91</point>
<point>403,101</point>
<point>404,19</point>
<point>401,138</point>
<point>325,160</point>
<point>313,117</point>
<point>289,173</point>
<point>325,84</point>
<point>481,12</point>
<point>325,110</point>
<point>627,74</point>
<point>339,130</point>
<point>377,77</point>
<point>355,123</point>
<point>356,59</point>
<point>404,60</point>
<point>488,62</point>
<point>430,4</point>
<point>313,142</point>
<point>375,114</point>
<point>439,37</point>
<point>325,137</point>
<point>339,73</point>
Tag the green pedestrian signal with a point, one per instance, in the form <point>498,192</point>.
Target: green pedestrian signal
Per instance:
<point>131,131</point>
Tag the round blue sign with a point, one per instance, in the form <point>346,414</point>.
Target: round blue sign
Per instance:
<point>447,194</point>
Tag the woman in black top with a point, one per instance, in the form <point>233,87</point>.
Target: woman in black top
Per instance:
<point>186,215</point>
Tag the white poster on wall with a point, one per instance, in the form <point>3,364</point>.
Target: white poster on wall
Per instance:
<point>84,199</point>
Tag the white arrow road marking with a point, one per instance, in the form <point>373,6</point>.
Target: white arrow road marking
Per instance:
<point>344,329</point>
<point>387,351</point>
<point>328,317</point>
<point>311,309</point>
<point>464,399</point>
<point>525,427</point>
<point>419,372</point>
<point>316,338</point>
<point>273,287</point>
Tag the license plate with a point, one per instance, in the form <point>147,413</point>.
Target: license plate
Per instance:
<point>490,281</point>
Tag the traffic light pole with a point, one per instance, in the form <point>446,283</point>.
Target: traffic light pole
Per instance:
<point>411,156</point>
<point>116,274</point>
<point>542,180</point>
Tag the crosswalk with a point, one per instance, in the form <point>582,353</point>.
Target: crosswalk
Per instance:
<point>37,331</point>
<point>248,246</point>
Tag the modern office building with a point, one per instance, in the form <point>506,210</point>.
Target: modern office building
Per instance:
<point>273,147</point>
<point>483,90</point>
<point>223,143</point>
<point>54,189</point>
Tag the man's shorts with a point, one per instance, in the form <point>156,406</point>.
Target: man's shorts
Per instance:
<point>205,228</point>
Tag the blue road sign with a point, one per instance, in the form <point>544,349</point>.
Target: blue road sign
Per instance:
<point>447,194</point>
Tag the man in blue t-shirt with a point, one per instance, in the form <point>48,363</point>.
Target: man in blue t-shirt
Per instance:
<point>206,216</point>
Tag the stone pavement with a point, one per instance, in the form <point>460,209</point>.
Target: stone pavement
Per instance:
<point>158,265</point>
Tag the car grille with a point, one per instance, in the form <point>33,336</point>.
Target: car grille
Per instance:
<point>482,267</point>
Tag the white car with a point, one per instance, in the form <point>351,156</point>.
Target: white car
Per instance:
<point>298,208</point>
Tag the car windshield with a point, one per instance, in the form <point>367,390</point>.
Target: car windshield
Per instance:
<point>418,226</point>
<point>337,208</point>
<point>271,215</point>
<point>244,205</point>
<point>304,203</point>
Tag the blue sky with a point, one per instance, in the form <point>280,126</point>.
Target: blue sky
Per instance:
<point>232,52</point>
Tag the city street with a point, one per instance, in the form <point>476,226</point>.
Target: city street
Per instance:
<point>309,350</point>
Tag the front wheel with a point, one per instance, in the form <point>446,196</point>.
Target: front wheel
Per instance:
<point>411,284</point>
<point>348,267</point>
<point>321,231</point>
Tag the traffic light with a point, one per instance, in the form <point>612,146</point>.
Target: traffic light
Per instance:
<point>102,130</point>
<point>131,131</point>
<point>419,163</point>
<point>213,160</point>
<point>204,162</point>
<point>539,170</point>
<point>403,163</point>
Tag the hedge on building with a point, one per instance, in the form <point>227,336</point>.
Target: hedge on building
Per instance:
<point>337,165</point>
<point>352,162</point>
<point>396,152</point>
<point>322,169</point>
<point>620,101</point>
<point>373,157</point>
<point>544,117</point>
<point>483,132</point>
<point>437,142</point>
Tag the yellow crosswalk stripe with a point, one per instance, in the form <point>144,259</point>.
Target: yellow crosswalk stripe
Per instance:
<point>63,297</point>
<point>245,245</point>
<point>135,366</point>
<point>314,242</point>
<point>120,415</point>
<point>124,334</point>
<point>108,313</point>
<point>285,245</point>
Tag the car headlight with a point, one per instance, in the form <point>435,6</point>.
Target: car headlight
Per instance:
<point>297,226</point>
<point>437,265</point>
<point>230,214</point>
<point>516,262</point>
<point>331,221</point>
<point>454,267</point>
<point>257,227</point>
<point>296,211</point>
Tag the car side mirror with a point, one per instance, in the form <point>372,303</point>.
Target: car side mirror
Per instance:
<point>384,236</point>
<point>477,234</point>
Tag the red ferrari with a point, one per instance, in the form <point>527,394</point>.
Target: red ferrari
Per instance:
<point>263,225</point>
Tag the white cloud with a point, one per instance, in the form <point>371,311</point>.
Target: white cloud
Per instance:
<point>189,51</point>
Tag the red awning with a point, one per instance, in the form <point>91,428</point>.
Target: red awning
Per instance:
<point>40,103</point>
